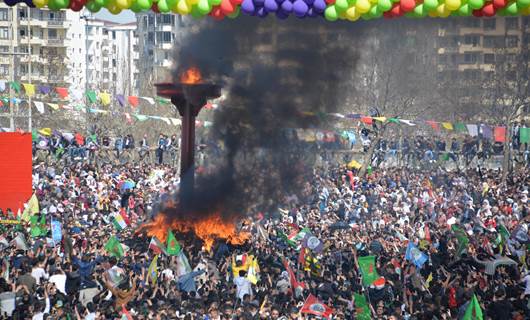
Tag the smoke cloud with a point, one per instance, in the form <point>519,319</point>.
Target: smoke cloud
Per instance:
<point>278,76</point>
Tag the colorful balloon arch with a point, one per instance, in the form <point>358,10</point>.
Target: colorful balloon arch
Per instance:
<point>332,10</point>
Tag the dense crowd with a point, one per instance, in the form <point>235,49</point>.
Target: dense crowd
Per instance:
<point>468,229</point>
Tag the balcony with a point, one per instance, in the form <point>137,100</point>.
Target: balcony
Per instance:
<point>58,24</point>
<point>32,40</point>
<point>35,58</point>
<point>56,43</point>
<point>33,21</point>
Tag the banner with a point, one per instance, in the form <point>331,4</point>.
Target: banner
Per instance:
<point>368,271</point>
<point>4,221</point>
<point>57,234</point>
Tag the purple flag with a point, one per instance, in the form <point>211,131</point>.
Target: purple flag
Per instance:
<point>353,116</point>
<point>44,89</point>
<point>486,131</point>
<point>121,99</point>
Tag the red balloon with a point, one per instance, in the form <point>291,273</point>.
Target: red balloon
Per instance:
<point>488,10</point>
<point>154,7</point>
<point>76,5</point>
<point>227,7</point>
<point>217,13</point>
<point>396,10</point>
<point>330,1</point>
<point>499,3</point>
<point>478,13</point>
<point>407,5</point>
<point>388,14</point>
<point>236,2</point>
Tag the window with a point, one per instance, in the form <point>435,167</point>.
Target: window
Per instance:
<point>51,15</point>
<point>22,32</point>
<point>472,23</point>
<point>52,34</point>
<point>4,33</point>
<point>511,41</point>
<point>167,19</point>
<point>4,49</point>
<point>489,24</point>
<point>150,37</point>
<point>4,69</point>
<point>493,42</point>
<point>167,37</point>
<point>511,75</point>
<point>22,13</point>
<point>512,23</point>
<point>473,40</point>
<point>23,49</point>
<point>470,57</point>
<point>151,20</point>
<point>4,14</point>
<point>489,58</point>
<point>113,35</point>
<point>114,63</point>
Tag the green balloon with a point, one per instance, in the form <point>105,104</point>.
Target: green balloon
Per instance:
<point>135,7</point>
<point>163,6</point>
<point>58,4</point>
<point>512,8</point>
<point>92,6</point>
<point>351,3</point>
<point>465,10</point>
<point>341,5</point>
<point>101,3</point>
<point>384,5</point>
<point>374,12</point>
<point>204,7</point>
<point>235,14</point>
<point>521,4</point>
<point>144,4</point>
<point>215,2</point>
<point>420,11</point>
<point>430,4</point>
<point>195,12</point>
<point>331,13</point>
<point>475,4</point>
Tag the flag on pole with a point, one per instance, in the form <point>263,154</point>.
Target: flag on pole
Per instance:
<point>152,272</point>
<point>362,309</point>
<point>173,246</point>
<point>414,255</point>
<point>524,135</point>
<point>183,265</point>
<point>292,277</point>
<point>125,315</point>
<point>462,239</point>
<point>313,306</point>
<point>312,243</point>
<point>157,246</point>
<point>31,208</point>
<point>118,221</point>
<point>473,311</point>
<point>368,271</point>
<point>114,248</point>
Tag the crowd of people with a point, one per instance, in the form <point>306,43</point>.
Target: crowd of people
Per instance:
<point>468,230</point>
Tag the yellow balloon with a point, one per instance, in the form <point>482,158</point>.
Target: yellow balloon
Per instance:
<point>452,4</point>
<point>192,2</point>
<point>432,14</point>
<point>123,4</point>
<point>363,6</point>
<point>342,15</point>
<point>442,11</point>
<point>351,12</point>
<point>40,3</point>
<point>525,11</point>
<point>183,7</point>
<point>373,1</point>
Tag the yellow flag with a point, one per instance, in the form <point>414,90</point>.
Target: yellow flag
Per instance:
<point>381,119</point>
<point>152,273</point>
<point>105,98</point>
<point>354,164</point>
<point>29,88</point>
<point>253,271</point>
<point>31,209</point>
<point>447,125</point>
<point>54,106</point>
<point>429,279</point>
<point>45,131</point>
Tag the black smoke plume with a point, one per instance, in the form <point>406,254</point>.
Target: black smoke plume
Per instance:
<point>278,76</point>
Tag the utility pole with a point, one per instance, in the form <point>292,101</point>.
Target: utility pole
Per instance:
<point>87,100</point>
<point>14,12</point>
<point>29,35</point>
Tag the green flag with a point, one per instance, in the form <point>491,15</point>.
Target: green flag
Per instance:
<point>460,127</point>
<point>362,309</point>
<point>15,86</point>
<point>462,238</point>
<point>92,97</point>
<point>473,311</point>
<point>162,101</point>
<point>173,246</point>
<point>114,247</point>
<point>368,271</point>
<point>524,135</point>
<point>393,120</point>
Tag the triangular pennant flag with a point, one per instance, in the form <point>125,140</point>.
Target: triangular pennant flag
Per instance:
<point>76,94</point>
<point>407,122</point>
<point>393,120</point>
<point>524,135</point>
<point>447,125</point>
<point>380,119</point>
<point>500,134</point>
<point>44,89</point>
<point>313,306</point>
<point>39,105</point>
<point>121,99</point>
<point>54,106</point>
<point>46,131</point>
<point>149,100</point>
<point>472,129</point>
<point>67,107</point>
<point>162,100</point>
<point>62,92</point>
<point>15,86</point>
<point>367,120</point>
<point>133,101</point>
<point>460,127</point>
<point>434,125</point>
<point>140,117</point>
<point>92,97</point>
<point>473,311</point>
<point>31,208</point>
<point>173,246</point>
<point>29,88</point>
<point>105,98</point>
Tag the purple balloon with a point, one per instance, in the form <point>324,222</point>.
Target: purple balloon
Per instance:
<point>319,6</point>
<point>259,3</point>
<point>287,6</point>
<point>12,2</point>
<point>280,1</point>
<point>271,5</point>
<point>311,13</point>
<point>309,2</point>
<point>282,15</point>
<point>247,6</point>
<point>300,8</point>
<point>262,12</point>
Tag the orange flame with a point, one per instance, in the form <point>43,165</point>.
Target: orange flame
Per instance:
<point>208,229</point>
<point>191,76</point>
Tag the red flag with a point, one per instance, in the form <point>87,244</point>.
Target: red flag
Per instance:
<point>367,120</point>
<point>125,314</point>
<point>133,100</point>
<point>301,256</point>
<point>123,214</point>
<point>500,134</point>
<point>313,306</point>
<point>292,277</point>
<point>62,92</point>
<point>427,233</point>
<point>156,246</point>
<point>434,125</point>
